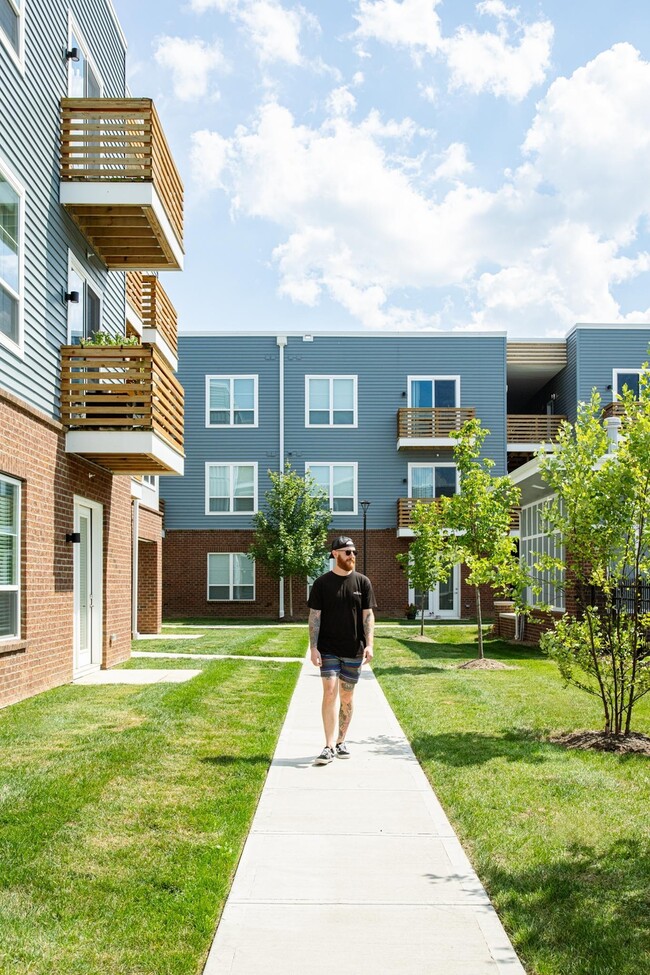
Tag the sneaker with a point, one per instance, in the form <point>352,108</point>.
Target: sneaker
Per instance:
<point>342,750</point>
<point>325,756</point>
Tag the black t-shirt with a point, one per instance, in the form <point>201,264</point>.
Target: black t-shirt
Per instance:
<point>341,600</point>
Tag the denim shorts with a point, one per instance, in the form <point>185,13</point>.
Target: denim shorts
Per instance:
<point>346,668</point>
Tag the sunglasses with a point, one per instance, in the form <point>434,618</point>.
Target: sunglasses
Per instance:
<point>348,551</point>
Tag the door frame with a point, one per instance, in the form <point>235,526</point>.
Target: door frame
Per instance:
<point>97,576</point>
<point>434,610</point>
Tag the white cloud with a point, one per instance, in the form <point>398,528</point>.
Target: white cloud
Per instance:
<point>191,63</point>
<point>273,28</point>
<point>358,221</point>
<point>497,63</point>
<point>491,62</point>
<point>341,101</point>
<point>411,23</point>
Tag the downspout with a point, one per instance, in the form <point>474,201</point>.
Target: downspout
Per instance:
<point>281,342</point>
<point>134,568</point>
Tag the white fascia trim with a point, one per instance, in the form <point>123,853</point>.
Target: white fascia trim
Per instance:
<point>154,337</point>
<point>360,333</point>
<point>525,471</point>
<point>118,26</point>
<point>524,448</point>
<point>403,443</point>
<point>103,193</point>
<point>124,442</point>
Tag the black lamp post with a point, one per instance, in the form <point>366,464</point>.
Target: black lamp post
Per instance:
<point>365,505</point>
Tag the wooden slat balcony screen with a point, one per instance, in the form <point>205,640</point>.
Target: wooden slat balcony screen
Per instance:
<point>121,388</point>
<point>524,428</point>
<point>405,508</point>
<point>134,291</point>
<point>158,311</point>
<point>536,353</point>
<point>432,422</point>
<point>120,140</point>
<point>613,409</point>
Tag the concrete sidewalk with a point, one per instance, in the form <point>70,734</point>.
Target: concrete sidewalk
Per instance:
<point>353,867</point>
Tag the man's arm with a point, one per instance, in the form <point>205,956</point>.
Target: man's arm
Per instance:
<point>369,634</point>
<point>314,630</point>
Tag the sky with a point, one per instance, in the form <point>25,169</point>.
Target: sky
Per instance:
<point>404,164</point>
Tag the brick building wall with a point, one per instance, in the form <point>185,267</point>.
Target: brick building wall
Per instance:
<point>185,577</point>
<point>149,570</point>
<point>32,451</point>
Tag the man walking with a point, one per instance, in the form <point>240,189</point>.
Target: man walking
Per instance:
<point>341,630</point>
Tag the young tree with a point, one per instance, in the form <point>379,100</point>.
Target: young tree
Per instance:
<point>480,517</point>
<point>601,514</point>
<point>431,555</point>
<point>291,536</point>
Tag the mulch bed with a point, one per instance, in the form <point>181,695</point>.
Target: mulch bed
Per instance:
<point>484,664</point>
<point>600,741</point>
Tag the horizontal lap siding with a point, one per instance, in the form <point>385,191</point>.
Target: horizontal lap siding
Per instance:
<point>602,350</point>
<point>29,146</point>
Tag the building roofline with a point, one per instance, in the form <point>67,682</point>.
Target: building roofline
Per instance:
<point>326,333</point>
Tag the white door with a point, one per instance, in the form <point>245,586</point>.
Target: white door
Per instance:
<point>443,601</point>
<point>87,585</point>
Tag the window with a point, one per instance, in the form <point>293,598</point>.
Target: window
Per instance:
<point>84,315</point>
<point>11,259</point>
<point>230,488</point>
<point>433,391</point>
<point>330,401</point>
<point>629,378</point>
<point>432,480</point>
<point>11,28</point>
<point>83,78</point>
<point>534,543</point>
<point>9,558</point>
<point>339,481</point>
<point>231,401</point>
<point>149,479</point>
<point>231,577</point>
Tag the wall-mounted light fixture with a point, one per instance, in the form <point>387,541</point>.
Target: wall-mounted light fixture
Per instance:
<point>74,537</point>
<point>609,386</point>
<point>405,480</point>
<point>72,296</point>
<point>72,54</point>
<point>403,392</point>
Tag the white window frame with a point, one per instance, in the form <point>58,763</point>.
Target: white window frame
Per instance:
<point>543,544</point>
<point>75,265</point>
<point>232,425</point>
<point>432,379</point>
<point>231,586</point>
<point>430,465</point>
<point>17,347</point>
<point>17,56</point>
<point>615,374</point>
<point>231,464</point>
<point>73,28</point>
<point>331,425</point>
<point>17,586</point>
<point>339,463</point>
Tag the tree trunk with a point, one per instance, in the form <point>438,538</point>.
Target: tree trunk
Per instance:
<point>479,622</point>
<point>422,617</point>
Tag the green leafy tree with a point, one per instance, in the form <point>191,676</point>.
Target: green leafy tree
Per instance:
<point>601,514</point>
<point>479,515</point>
<point>431,555</point>
<point>291,535</point>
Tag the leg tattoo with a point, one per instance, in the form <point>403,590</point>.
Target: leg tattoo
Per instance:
<point>345,716</point>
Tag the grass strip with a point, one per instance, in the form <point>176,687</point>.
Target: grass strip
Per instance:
<point>256,642</point>
<point>560,838</point>
<point>123,812</point>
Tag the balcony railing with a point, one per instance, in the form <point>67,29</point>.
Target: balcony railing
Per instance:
<point>158,311</point>
<point>527,428</point>
<point>126,389</point>
<point>109,147</point>
<point>134,287</point>
<point>613,409</point>
<point>405,508</point>
<point>431,423</point>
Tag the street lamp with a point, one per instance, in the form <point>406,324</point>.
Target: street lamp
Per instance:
<point>365,505</point>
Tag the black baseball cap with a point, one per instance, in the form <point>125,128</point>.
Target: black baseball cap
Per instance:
<point>341,542</point>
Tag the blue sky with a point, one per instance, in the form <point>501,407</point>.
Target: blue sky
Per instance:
<point>401,164</point>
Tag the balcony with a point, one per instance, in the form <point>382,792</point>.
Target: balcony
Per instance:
<point>122,407</point>
<point>425,427</point>
<point>526,434</point>
<point>156,319</point>
<point>613,409</point>
<point>119,182</point>
<point>405,508</point>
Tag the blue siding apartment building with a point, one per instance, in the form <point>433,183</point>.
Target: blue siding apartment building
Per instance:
<point>371,416</point>
<point>85,226</point>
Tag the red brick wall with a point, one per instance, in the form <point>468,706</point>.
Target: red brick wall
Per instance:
<point>534,626</point>
<point>149,570</point>
<point>185,577</point>
<point>32,450</point>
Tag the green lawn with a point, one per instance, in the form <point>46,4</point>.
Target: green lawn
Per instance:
<point>276,642</point>
<point>560,838</point>
<point>123,811</point>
